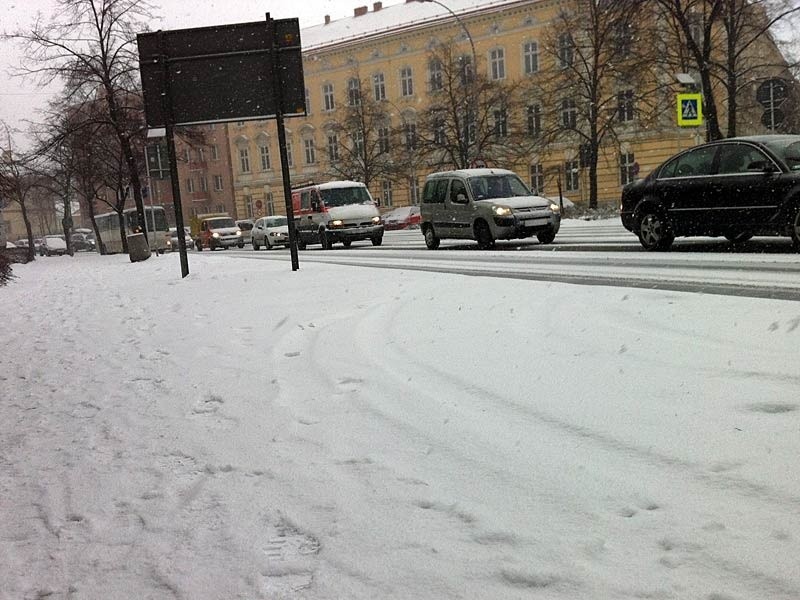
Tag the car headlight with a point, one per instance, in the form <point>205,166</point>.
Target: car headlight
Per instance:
<point>215,235</point>
<point>502,211</point>
<point>376,220</point>
<point>238,232</point>
<point>555,207</point>
<point>336,223</point>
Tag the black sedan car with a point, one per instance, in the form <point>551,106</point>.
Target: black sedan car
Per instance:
<point>737,188</point>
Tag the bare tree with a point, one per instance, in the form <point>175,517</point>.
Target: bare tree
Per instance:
<point>599,76</point>
<point>469,118</point>
<point>91,46</point>
<point>17,182</point>
<point>724,41</point>
<point>362,135</point>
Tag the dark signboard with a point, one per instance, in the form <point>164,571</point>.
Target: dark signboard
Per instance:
<point>222,73</point>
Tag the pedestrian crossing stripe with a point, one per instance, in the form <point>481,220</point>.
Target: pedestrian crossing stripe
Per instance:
<point>690,110</point>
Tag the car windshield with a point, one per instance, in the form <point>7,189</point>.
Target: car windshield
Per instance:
<point>342,196</point>
<point>497,186</point>
<point>276,222</point>
<point>221,222</point>
<point>788,150</point>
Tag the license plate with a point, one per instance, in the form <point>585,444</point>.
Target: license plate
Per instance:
<point>534,222</point>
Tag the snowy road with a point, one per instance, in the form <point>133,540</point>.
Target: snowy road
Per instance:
<point>590,253</point>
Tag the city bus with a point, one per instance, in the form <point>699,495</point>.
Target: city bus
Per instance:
<point>157,228</point>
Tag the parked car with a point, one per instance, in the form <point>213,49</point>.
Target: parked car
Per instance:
<point>53,244</point>
<point>737,188</point>
<point>402,217</point>
<point>82,242</point>
<point>246,226</point>
<point>172,239</point>
<point>270,231</point>
<point>485,205</point>
<point>216,230</point>
<point>10,245</point>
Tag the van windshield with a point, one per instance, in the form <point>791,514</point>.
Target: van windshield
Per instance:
<point>221,222</point>
<point>345,195</point>
<point>497,186</point>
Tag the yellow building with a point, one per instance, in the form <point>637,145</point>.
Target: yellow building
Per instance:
<point>389,48</point>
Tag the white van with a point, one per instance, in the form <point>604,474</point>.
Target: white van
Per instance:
<point>338,211</point>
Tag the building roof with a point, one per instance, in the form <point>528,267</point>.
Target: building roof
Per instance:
<point>391,18</point>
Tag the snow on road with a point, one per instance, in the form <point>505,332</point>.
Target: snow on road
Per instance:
<point>250,432</point>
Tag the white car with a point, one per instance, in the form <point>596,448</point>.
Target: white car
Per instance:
<point>53,244</point>
<point>269,232</point>
<point>172,239</point>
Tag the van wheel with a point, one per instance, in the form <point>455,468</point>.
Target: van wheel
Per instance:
<point>325,240</point>
<point>546,237</point>
<point>483,235</point>
<point>347,243</point>
<point>255,245</point>
<point>377,240</point>
<point>655,231</point>
<point>431,241</point>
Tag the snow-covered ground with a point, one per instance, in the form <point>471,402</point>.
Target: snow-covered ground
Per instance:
<point>350,433</point>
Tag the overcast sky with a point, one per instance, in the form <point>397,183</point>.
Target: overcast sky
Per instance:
<point>20,99</point>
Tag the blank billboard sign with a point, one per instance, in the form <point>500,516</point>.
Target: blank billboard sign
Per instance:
<point>222,73</point>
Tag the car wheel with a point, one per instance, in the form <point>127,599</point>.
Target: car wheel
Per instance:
<point>377,240</point>
<point>655,231</point>
<point>431,241</point>
<point>795,231</point>
<point>546,237</point>
<point>255,244</point>
<point>301,244</point>
<point>241,244</point>
<point>198,244</point>
<point>325,240</point>
<point>348,243</point>
<point>483,235</point>
<point>739,237</point>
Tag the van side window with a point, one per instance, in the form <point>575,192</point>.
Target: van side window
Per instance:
<point>305,200</point>
<point>435,191</point>
<point>456,188</point>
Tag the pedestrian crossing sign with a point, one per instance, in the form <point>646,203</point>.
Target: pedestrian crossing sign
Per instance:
<point>690,110</point>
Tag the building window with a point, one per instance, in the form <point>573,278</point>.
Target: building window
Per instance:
<point>289,157</point>
<point>571,176</point>
<point>439,131</point>
<point>328,103</point>
<point>625,106</point>
<point>569,113</point>
<point>263,151</point>
<point>270,204</point>
<point>410,134</point>
<point>383,140</point>
<point>501,122</point>
<point>201,154</point>
<point>497,63</point>
<point>353,91</point>
<point>537,179</point>
<point>623,38</point>
<point>358,143</point>
<point>465,69</point>
<point>187,155</point>
<point>436,75</point>
<point>221,208</point>
<point>214,152</point>
<point>333,148</point>
<point>413,190</point>
<point>218,183</point>
<point>203,183</point>
<point>308,101</point>
<point>627,168</point>
<point>566,50</point>
<point>190,185</point>
<point>406,82</point>
<point>311,152</point>
<point>244,160</point>
<point>248,207</point>
<point>378,87</point>
<point>530,58</point>
<point>534,120</point>
<point>386,192</point>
